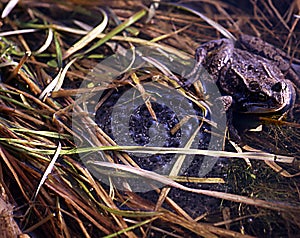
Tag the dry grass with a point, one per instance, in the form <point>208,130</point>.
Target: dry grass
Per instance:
<point>45,56</point>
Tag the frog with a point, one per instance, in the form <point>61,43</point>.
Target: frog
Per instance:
<point>252,76</point>
<point>284,62</point>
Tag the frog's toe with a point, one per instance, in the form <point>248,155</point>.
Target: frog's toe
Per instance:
<point>224,103</point>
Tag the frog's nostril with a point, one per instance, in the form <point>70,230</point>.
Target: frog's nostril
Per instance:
<point>250,67</point>
<point>277,87</point>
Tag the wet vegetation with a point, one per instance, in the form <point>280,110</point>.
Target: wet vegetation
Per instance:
<point>52,87</point>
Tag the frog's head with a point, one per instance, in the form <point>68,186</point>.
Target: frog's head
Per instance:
<point>267,93</point>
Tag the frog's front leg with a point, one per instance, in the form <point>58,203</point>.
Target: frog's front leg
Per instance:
<point>268,51</point>
<point>213,55</point>
<point>226,103</point>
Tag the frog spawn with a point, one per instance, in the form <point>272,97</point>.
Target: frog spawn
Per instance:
<point>144,130</point>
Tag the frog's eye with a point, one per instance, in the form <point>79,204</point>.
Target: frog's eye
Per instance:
<point>262,97</point>
<point>277,87</point>
<point>254,86</point>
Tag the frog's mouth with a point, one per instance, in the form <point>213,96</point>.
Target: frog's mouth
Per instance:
<point>264,108</point>
<point>279,102</point>
<point>270,106</point>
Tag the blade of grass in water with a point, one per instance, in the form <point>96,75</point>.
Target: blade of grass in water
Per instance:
<point>58,50</point>
<point>88,37</point>
<point>214,24</point>
<point>47,42</point>
<point>163,150</point>
<point>57,82</point>
<point>118,29</point>
<point>48,170</point>
<point>9,7</point>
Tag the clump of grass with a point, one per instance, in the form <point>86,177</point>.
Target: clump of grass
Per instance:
<point>47,49</point>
